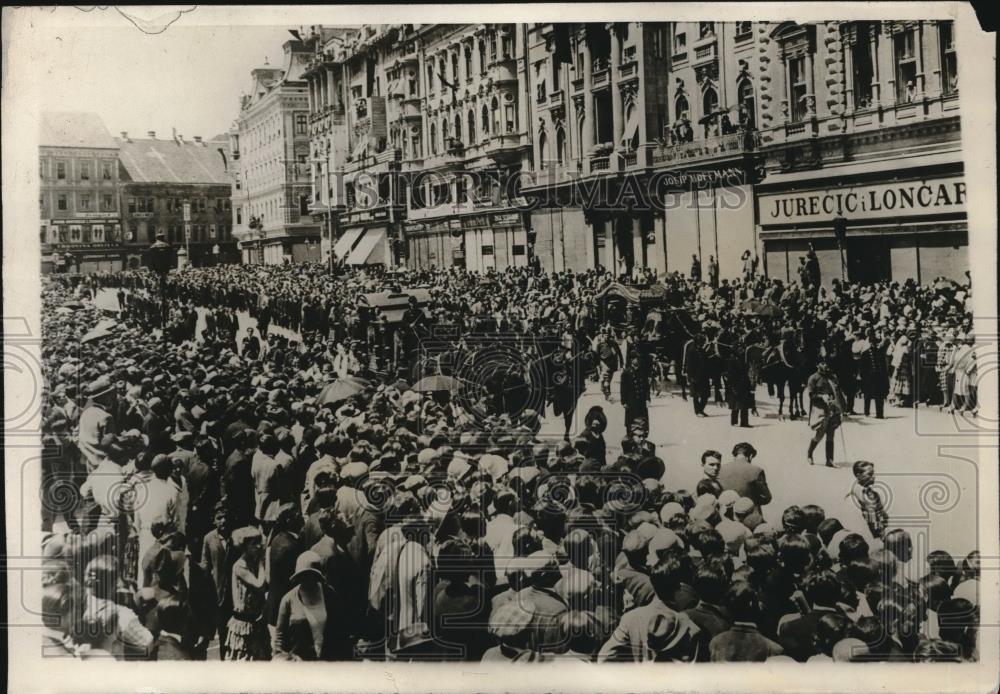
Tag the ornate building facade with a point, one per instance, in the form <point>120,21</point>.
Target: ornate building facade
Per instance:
<point>641,144</point>
<point>271,215</point>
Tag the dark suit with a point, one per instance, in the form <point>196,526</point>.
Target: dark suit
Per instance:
<point>746,479</point>
<point>797,635</point>
<point>742,644</point>
<point>284,550</point>
<point>217,558</point>
<point>712,620</point>
<point>169,648</point>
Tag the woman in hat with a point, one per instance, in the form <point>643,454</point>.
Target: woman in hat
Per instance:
<point>248,634</point>
<point>310,623</point>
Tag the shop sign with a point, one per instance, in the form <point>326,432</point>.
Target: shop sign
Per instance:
<point>476,221</point>
<point>507,219</point>
<point>688,180</point>
<point>896,199</point>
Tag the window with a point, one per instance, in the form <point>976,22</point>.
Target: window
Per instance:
<point>681,108</point>
<point>226,204</point>
<point>560,146</point>
<point>748,105</point>
<point>433,141</point>
<point>706,29</point>
<point>540,90</point>
<point>482,56</point>
<point>41,168</point>
<point>84,171</point>
<point>710,104</point>
<point>430,78</point>
<point>543,151</point>
<point>743,29</point>
<point>906,66</point>
<point>493,46</point>
<point>798,88</point>
<point>472,127</point>
<point>106,170</point>
<point>486,120</point>
<point>460,189</point>
<point>454,68</point>
<point>862,70</point>
<point>61,170</point>
<point>680,42</point>
<point>301,123</point>
<point>458,128</point>
<point>949,59</point>
<point>556,69</point>
<point>97,235</point>
<point>131,206</point>
<point>468,63</point>
<point>61,202</point>
<point>107,203</point>
<point>239,215</point>
<point>509,116</point>
<point>659,40</point>
<point>150,204</point>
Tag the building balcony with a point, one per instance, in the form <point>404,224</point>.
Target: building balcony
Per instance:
<point>705,51</point>
<point>504,70</point>
<point>411,108</point>
<point>601,79</point>
<point>718,147</point>
<point>389,156</point>
<point>498,145</point>
<point>577,85</point>
<point>557,98</point>
<point>600,164</point>
<point>629,70</point>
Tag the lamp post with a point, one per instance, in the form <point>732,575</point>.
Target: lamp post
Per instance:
<point>160,259</point>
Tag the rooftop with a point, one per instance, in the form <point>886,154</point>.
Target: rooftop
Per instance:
<point>74,129</point>
<point>173,161</point>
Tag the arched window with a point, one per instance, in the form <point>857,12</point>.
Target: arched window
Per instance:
<point>444,135</point>
<point>486,117</point>
<point>579,135</point>
<point>458,127</point>
<point>560,146</point>
<point>472,126</point>
<point>681,107</point>
<point>434,139</point>
<point>495,107</point>
<point>543,151</point>
<point>710,104</point>
<point>748,104</point>
<point>430,77</point>
<point>482,56</point>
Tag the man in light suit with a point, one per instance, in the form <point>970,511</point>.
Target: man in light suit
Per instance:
<point>745,478</point>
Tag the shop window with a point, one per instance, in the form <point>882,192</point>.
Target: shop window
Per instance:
<point>97,235</point>
<point>75,235</point>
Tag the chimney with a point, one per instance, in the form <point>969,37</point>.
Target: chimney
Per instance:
<point>152,134</point>
<point>197,139</point>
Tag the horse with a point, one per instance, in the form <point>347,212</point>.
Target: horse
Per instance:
<point>784,364</point>
<point>676,328</point>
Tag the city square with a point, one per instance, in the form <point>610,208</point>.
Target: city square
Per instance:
<point>516,343</point>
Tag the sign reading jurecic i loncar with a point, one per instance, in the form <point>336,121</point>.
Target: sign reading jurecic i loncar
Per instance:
<point>902,199</point>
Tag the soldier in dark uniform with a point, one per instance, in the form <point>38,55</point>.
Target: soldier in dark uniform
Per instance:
<point>874,368</point>
<point>635,390</point>
<point>842,359</point>
<point>828,402</point>
<point>739,391</point>
<point>696,372</point>
<point>566,371</point>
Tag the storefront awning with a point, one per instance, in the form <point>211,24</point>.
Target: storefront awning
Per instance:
<point>366,251</point>
<point>345,243</point>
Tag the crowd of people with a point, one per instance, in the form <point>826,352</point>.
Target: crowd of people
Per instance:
<point>203,488</point>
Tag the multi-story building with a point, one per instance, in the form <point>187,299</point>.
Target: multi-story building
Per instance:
<point>432,121</point>
<point>643,143</point>
<point>179,187</point>
<point>271,215</point>
<point>860,121</point>
<point>80,215</point>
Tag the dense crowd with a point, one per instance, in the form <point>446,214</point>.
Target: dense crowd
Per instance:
<point>202,486</point>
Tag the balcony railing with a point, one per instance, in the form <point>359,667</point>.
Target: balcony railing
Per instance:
<point>556,98</point>
<point>577,84</point>
<point>704,53</point>
<point>601,77</point>
<point>718,146</point>
<point>631,158</point>
<point>600,163</point>
<point>629,70</point>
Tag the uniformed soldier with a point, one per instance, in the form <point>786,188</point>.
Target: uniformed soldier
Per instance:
<point>826,400</point>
